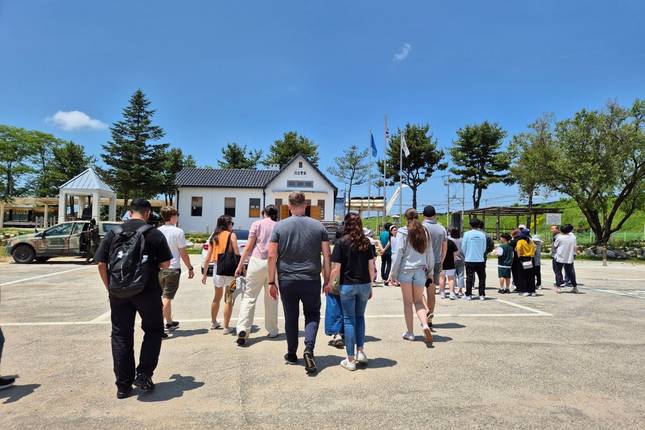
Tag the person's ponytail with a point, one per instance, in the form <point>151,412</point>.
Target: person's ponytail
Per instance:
<point>416,232</point>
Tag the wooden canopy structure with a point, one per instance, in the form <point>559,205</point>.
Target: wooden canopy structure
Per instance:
<point>498,211</point>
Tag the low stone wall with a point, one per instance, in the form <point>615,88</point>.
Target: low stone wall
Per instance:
<point>613,253</point>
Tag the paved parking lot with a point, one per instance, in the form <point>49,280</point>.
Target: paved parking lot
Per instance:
<point>567,361</point>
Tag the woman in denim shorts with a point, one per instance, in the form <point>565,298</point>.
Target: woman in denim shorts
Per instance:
<point>413,257</point>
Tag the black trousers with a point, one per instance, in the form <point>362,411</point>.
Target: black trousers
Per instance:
<point>148,305</point>
<point>292,293</point>
<point>1,343</point>
<point>569,274</point>
<point>471,270</point>
<point>386,265</point>
<point>526,278</point>
<point>538,275</point>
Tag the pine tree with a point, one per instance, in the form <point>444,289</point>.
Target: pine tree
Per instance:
<point>283,150</point>
<point>237,157</point>
<point>135,165</point>
<point>351,169</point>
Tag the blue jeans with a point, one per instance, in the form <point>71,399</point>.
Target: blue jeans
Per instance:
<point>353,299</point>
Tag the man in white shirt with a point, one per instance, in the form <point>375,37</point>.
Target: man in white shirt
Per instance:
<point>169,278</point>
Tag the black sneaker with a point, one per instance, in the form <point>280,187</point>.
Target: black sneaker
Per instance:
<point>291,358</point>
<point>6,382</point>
<point>500,291</point>
<point>164,335</point>
<point>310,363</point>
<point>172,325</point>
<point>241,338</point>
<point>123,393</point>
<point>144,382</point>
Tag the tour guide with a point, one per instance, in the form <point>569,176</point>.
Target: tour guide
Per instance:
<point>294,253</point>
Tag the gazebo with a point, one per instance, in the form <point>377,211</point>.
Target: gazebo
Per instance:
<point>498,211</point>
<point>84,185</point>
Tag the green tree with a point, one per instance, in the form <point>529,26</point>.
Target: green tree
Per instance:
<point>351,169</point>
<point>42,147</point>
<point>530,152</point>
<point>237,157</point>
<point>15,153</point>
<point>478,157</point>
<point>69,159</point>
<point>283,150</point>
<point>424,159</point>
<point>135,164</point>
<point>598,159</point>
<point>175,162</point>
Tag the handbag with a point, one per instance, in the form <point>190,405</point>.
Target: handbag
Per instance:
<point>527,265</point>
<point>228,261</point>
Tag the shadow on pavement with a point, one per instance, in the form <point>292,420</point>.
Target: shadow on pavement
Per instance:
<point>378,363</point>
<point>186,333</point>
<point>17,392</point>
<point>372,339</point>
<point>172,389</point>
<point>448,325</point>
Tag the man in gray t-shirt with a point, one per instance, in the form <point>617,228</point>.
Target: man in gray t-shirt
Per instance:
<point>294,256</point>
<point>439,239</point>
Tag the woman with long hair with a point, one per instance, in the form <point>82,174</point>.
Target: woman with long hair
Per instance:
<point>413,258</point>
<point>222,239</point>
<point>353,267</point>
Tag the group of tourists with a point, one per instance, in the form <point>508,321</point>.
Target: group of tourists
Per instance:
<point>140,267</point>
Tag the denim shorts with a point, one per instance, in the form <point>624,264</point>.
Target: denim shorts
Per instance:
<point>415,277</point>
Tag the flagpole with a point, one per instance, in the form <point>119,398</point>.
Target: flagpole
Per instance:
<point>369,186</point>
<point>385,134</point>
<point>401,181</point>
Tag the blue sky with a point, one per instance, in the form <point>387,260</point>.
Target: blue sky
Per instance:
<point>245,72</point>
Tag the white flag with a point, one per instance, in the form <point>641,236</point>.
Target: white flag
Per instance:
<point>404,146</point>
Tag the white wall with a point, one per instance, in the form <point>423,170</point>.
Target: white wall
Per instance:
<point>278,186</point>
<point>213,207</point>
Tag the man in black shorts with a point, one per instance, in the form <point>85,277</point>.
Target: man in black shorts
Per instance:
<point>156,256</point>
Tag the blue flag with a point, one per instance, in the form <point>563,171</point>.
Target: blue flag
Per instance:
<point>373,145</point>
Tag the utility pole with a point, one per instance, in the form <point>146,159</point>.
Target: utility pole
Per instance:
<point>448,213</point>
<point>463,203</point>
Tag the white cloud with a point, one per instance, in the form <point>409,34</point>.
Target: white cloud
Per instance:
<point>403,54</point>
<point>75,120</point>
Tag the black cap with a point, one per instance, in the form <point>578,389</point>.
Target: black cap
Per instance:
<point>429,211</point>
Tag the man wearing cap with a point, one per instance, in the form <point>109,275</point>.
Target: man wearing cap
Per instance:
<point>439,238</point>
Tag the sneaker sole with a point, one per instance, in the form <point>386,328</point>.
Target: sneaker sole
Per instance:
<point>4,387</point>
<point>428,334</point>
<point>310,364</point>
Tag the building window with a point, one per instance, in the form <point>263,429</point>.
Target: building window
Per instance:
<point>229,206</point>
<point>300,184</point>
<point>254,208</point>
<point>321,205</point>
<point>196,204</point>
<point>300,165</point>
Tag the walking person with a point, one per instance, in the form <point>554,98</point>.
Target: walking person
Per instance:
<point>386,255</point>
<point>455,236</point>
<point>221,242</point>
<point>564,249</point>
<point>504,263</point>
<point>353,267</point>
<point>413,259</point>
<point>5,381</point>
<point>474,246</point>
<point>257,277</point>
<point>294,261</point>
<point>525,250</point>
<point>439,241</point>
<point>129,260</point>
<point>169,278</point>
<point>448,272</point>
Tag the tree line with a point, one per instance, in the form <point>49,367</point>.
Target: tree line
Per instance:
<point>597,158</point>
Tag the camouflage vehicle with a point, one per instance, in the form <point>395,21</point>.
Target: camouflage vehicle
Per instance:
<point>69,239</point>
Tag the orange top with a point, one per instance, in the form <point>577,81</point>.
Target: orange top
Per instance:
<point>220,248</point>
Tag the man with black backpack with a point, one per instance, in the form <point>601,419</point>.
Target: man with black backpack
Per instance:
<point>129,259</point>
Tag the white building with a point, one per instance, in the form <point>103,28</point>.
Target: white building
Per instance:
<point>205,194</point>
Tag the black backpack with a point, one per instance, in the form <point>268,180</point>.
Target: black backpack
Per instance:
<point>125,266</point>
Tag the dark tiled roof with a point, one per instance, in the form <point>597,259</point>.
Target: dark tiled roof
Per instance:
<point>225,178</point>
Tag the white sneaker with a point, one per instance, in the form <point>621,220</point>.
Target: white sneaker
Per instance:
<point>347,365</point>
<point>272,335</point>
<point>408,336</point>
<point>453,296</point>
<point>482,298</point>
<point>361,357</point>
<point>525,294</point>
<point>466,298</point>
<point>229,330</point>
<point>442,295</point>
<point>215,325</point>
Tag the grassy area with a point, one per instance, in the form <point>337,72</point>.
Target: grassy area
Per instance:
<point>633,229</point>
<point>15,231</point>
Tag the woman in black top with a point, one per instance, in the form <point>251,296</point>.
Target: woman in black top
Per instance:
<point>353,266</point>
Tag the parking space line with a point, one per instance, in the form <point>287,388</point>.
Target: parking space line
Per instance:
<point>104,316</point>
<point>526,308</point>
<point>47,275</point>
